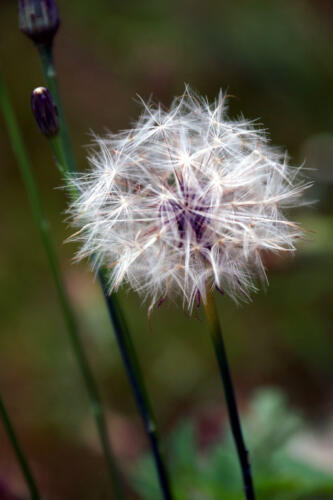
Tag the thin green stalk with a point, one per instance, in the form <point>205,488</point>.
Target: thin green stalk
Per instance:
<point>34,493</point>
<point>62,153</point>
<point>72,328</point>
<point>222,359</point>
<point>126,348</point>
<point>50,74</point>
<point>134,373</point>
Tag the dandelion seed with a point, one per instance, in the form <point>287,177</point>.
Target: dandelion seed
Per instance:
<point>184,200</point>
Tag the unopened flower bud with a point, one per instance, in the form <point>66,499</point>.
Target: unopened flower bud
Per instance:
<point>39,20</point>
<point>45,111</point>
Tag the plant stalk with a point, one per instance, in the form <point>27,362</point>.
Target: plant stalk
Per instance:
<point>126,348</point>
<point>62,150</point>
<point>34,493</point>
<point>134,373</point>
<point>68,314</point>
<point>222,360</point>
<point>50,74</point>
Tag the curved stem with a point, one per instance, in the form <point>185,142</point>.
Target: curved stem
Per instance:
<point>222,360</point>
<point>34,493</point>
<point>135,377</point>
<point>126,347</point>
<point>134,373</point>
<point>68,314</point>
<point>46,56</point>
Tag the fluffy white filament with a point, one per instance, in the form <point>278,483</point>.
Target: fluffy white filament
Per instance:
<point>184,200</point>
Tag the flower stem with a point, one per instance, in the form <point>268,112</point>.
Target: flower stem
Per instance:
<point>222,360</point>
<point>62,150</point>
<point>126,348</point>
<point>50,74</point>
<point>134,373</point>
<point>34,493</point>
<point>70,321</point>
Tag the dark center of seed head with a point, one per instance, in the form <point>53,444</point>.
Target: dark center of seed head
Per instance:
<point>185,213</point>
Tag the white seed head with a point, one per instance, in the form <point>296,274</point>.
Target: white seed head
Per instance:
<point>187,199</point>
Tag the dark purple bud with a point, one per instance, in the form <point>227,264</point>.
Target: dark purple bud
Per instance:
<point>39,20</point>
<point>45,111</point>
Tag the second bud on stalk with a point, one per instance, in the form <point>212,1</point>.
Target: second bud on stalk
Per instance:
<point>45,111</point>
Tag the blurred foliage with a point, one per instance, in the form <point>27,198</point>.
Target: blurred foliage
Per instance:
<point>269,426</point>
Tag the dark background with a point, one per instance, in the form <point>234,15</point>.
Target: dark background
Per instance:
<point>275,58</point>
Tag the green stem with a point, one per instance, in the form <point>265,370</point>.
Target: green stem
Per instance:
<point>42,223</point>
<point>134,373</point>
<point>222,359</point>
<point>66,164</point>
<point>126,347</point>
<point>34,493</point>
<point>46,55</point>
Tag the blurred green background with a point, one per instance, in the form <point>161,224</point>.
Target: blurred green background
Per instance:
<point>275,58</point>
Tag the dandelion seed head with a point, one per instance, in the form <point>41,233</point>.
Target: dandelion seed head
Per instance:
<point>186,199</point>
